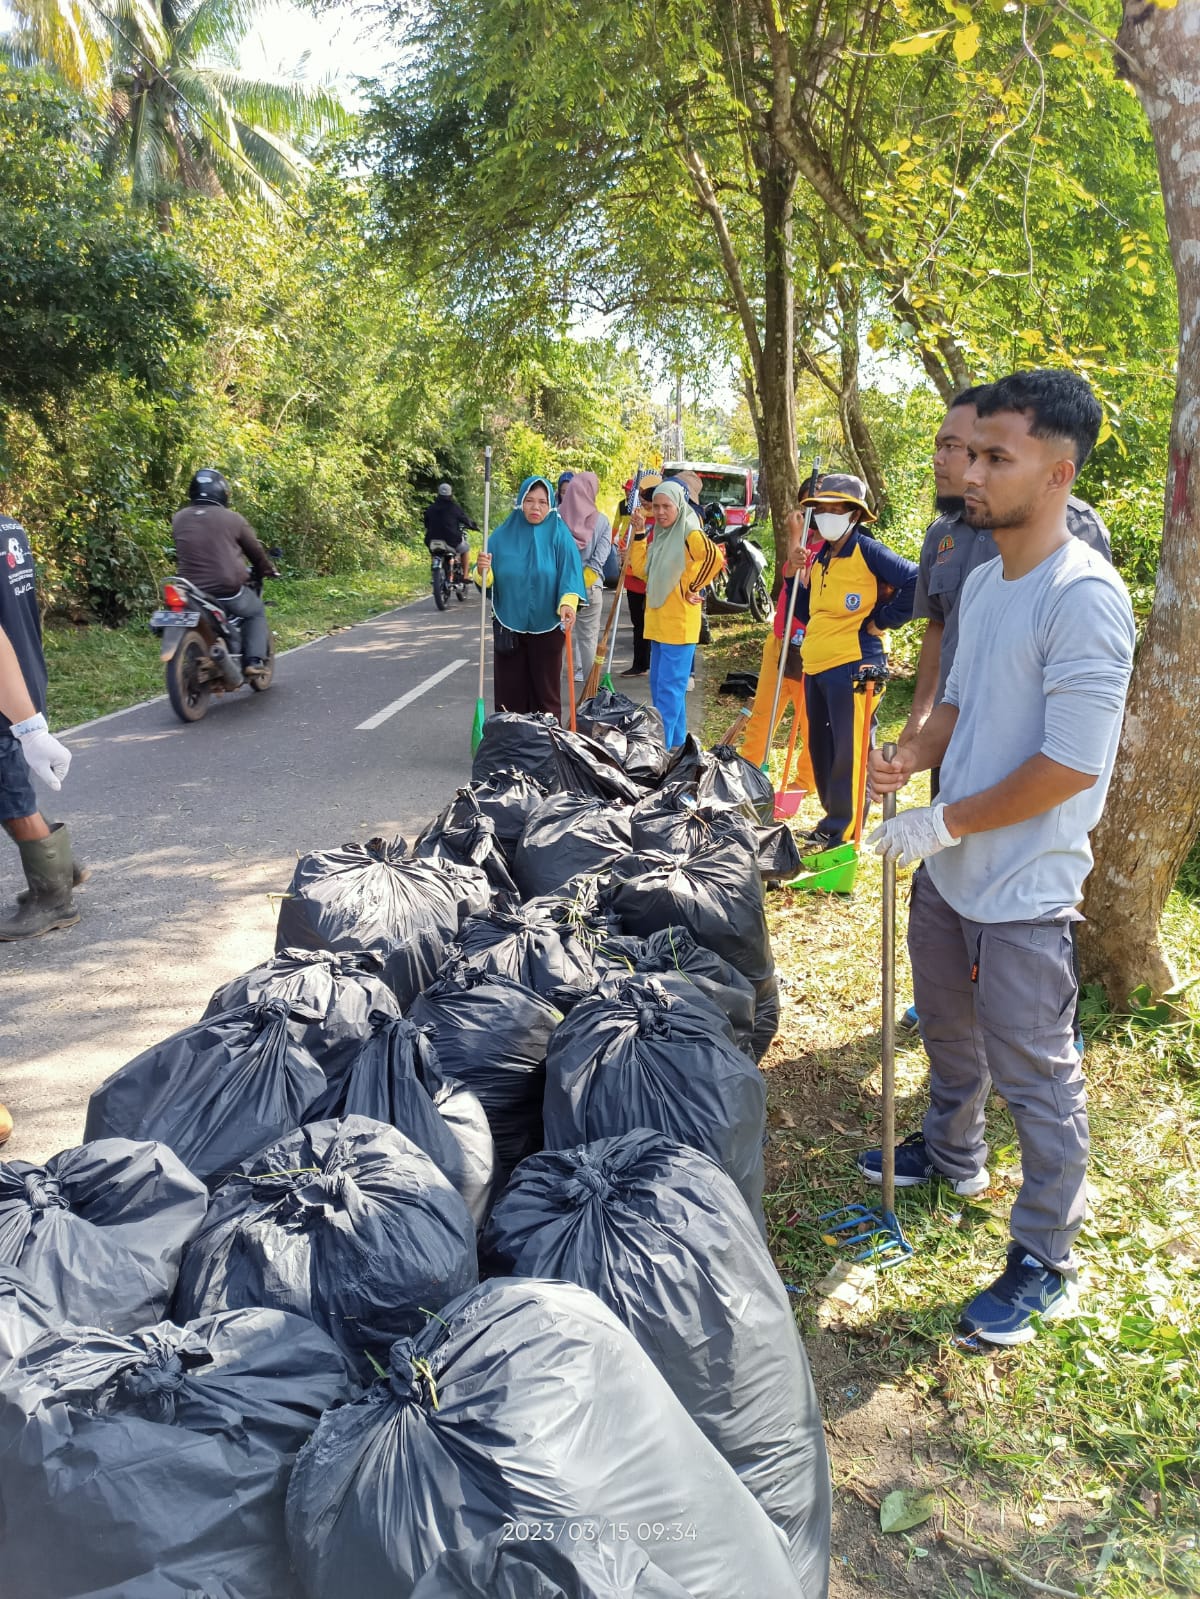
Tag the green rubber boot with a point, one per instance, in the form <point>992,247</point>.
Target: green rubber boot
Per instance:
<point>49,869</point>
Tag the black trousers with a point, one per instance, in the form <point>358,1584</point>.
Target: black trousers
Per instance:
<point>637,615</point>
<point>528,677</point>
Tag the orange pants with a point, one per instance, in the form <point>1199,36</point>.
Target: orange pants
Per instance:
<point>757,735</point>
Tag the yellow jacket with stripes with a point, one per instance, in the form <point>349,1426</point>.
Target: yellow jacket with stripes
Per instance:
<point>675,621</point>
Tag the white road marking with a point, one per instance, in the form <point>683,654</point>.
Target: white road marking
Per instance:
<point>372,722</point>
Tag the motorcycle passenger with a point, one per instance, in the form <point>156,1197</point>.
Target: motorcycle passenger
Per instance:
<point>212,546</point>
<point>445,520</point>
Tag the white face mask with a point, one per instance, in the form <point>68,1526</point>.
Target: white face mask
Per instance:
<point>832,524</point>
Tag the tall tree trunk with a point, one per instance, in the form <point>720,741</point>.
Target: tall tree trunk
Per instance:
<point>777,377</point>
<point>1153,811</point>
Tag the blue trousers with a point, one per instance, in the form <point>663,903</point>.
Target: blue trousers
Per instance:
<point>670,668</point>
<point>834,714</point>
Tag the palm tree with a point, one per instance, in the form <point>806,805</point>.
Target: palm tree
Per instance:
<point>180,115</point>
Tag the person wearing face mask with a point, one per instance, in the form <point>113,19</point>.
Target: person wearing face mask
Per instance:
<point>857,589</point>
<point>536,577</point>
<point>679,563</point>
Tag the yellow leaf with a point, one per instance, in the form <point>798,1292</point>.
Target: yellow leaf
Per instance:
<point>956,8</point>
<point>1061,51</point>
<point>877,336</point>
<point>1105,432</point>
<point>918,44</point>
<point>966,43</point>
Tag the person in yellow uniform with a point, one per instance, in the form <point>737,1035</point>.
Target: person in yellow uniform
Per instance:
<point>676,566</point>
<point>857,589</point>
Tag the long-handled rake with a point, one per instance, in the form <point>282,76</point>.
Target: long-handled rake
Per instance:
<point>858,1231</point>
<point>480,707</point>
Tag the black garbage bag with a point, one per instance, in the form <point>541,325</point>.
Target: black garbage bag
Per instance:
<point>466,834</point>
<point>346,1223</point>
<point>611,708</point>
<point>215,1092</point>
<point>99,1230</point>
<point>25,1314</point>
<point>503,1566</point>
<point>509,797</point>
<point>779,858</point>
<point>377,897</point>
<point>535,949</point>
<point>635,1055</point>
<point>683,766</point>
<point>332,999</point>
<point>716,893</point>
<point>683,966</point>
<point>524,1402</point>
<point>766,1015</point>
<point>165,1450</point>
<point>633,733</point>
<point>563,762</point>
<point>569,835</point>
<point>727,778</point>
<point>396,1079</point>
<point>491,1035</point>
<point>717,1324</point>
<point>580,905</point>
<point>677,822</point>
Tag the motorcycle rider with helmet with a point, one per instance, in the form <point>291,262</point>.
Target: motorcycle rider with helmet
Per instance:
<point>212,546</point>
<point>445,520</point>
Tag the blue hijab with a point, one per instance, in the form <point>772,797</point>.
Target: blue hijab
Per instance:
<point>533,567</point>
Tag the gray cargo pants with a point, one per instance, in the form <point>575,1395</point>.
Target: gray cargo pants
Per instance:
<point>997,1004</point>
<point>248,605</point>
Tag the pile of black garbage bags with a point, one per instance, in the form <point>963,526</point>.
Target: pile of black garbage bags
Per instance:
<point>430,1260</point>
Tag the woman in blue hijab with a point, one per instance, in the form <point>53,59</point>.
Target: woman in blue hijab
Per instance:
<point>536,579</point>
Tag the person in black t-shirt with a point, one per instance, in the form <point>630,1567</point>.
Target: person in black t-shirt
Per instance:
<point>445,520</point>
<point>27,750</point>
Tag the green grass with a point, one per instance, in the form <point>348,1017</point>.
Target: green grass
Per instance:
<point>1079,1455</point>
<point>97,669</point>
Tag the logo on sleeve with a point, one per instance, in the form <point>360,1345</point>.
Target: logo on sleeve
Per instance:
<point>16,555</point>
<point>945,549</point>
<point>853,601</point>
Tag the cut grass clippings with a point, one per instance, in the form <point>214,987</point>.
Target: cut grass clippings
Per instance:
<point>1075,1459</point>
<point>94,669</point>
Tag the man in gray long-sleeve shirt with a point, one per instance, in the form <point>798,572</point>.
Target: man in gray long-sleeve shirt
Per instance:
<point>1026,737</point>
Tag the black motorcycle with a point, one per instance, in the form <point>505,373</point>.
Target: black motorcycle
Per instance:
<point>741,586</point>
<point>202,648</point>
<point>447,574</point>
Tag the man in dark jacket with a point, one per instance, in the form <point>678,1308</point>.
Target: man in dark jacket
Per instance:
<point>212,546</point>
<point>445,520</point>
<point>28,750</point>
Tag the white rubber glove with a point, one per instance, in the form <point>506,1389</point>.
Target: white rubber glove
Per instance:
<point>914,835</point>
<point>45,756</point>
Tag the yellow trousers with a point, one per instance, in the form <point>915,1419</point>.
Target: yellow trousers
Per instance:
<point>758,735</point>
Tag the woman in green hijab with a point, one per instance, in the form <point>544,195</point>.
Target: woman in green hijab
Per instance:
<point>679,563</point>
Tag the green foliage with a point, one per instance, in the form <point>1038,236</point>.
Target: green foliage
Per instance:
<point>85,287</point>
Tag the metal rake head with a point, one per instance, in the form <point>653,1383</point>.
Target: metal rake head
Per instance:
<point>874,1236</point>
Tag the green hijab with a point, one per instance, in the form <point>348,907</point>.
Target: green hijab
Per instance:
<point>667,555</point>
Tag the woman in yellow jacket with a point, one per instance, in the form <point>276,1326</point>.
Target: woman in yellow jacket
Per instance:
<point>676,567</point>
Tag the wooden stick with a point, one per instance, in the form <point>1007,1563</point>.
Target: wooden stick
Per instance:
<point>600,664</point>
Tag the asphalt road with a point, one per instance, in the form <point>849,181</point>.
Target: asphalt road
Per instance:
<point>190,830</point>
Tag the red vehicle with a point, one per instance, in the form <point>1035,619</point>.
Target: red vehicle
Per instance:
<point>730,487</point>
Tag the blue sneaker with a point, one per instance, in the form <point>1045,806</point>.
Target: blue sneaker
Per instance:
<point>910,1021</point>
<point>914,1167</point>
<point>1025,1288</point>
<point>1079,1044</point>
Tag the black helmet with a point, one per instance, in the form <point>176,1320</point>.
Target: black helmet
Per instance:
<point>208,485</point>
<point>715,521</point>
